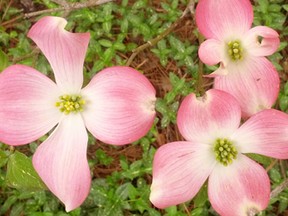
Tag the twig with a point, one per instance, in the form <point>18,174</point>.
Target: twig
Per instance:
<point>7,8</point>
<point>186,209</point>
<point>271,165</point>
<point>35,51</point>
<point>190,8</point>
<point>283,169</point>
<point>274,193</point>
<point>62,3</point>
<point>200,91</point>
<point>154,41</point>
<point>73,6</point>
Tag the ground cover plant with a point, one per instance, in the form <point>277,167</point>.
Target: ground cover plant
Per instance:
<point>160,39</point>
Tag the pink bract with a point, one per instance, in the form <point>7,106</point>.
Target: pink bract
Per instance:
<point>251,78</point>
<point>236,188</point>
<point>119,109</point>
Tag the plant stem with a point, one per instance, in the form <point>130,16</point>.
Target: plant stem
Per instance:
<point>154,41</point>
<point>200,91</point>
<point>279,189</point>
<point>72,6</point>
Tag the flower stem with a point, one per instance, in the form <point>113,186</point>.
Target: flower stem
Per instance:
<point>72,6</point>
<point>200,91</point>
<point>279,189</point>
<point>154,41</point>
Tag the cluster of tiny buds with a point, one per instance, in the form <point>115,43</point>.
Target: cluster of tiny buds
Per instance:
<point>235,50</point>
<point>70,103</point>
<point>225,151</point>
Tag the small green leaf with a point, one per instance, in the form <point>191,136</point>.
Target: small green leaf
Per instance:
<point>8,203</point>
<point>108,55</point>
<point>107,25</point>
<point>275,175</point>
<point>201,197</point>
<point>266,161</point>
<point>199,212</point>
<point>103,158</point>
<point>139,4</point>
<point>3,158</point>
<point>283,204</point>
<point>124,25</point>
<point>283,102</point>
<point>105,43</point>
<point>153,212</point>
<point>122,191</point>
<point>286,88</point>
<point>171,210</point>
<point>21,174</point>
<point>274,8</point>
<point>3,60</point>
<point>119,46</point>
<point>263,5</point>
<point>17,209</point>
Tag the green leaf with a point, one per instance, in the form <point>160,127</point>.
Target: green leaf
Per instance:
<point>201,197</point>
<point>21,174</point>
<point>283,102</point>
<point>274,8</point>
<point>171,210</point>
<point>199,212</point>
<point>3,158</point>
<point>8,203</point>
<point>141,205</point>
<point>122,191</point>
<point>286,88</point>
<point>3,60</point>
<point>124,25</point>
<point>17,209</point>
<point>105,43</point>
<point>107,26</point>
<point>103,158</point>
<point>119,46</point>
<point>283,204</point>
<point>266,161</point>
<point>153,212</point>
<point>108,55</point>
<point>263,5</point>
<point>275,175</point>
<point>177,44</point>
<point>139,4</point>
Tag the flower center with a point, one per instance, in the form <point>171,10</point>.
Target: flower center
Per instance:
<point>70,103</point>
<point>235,50</point>
<point>225,152</point>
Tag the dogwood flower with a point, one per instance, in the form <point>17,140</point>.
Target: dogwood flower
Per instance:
<point>244,70</point>
<point>117,107</point>
<point>215,150</point>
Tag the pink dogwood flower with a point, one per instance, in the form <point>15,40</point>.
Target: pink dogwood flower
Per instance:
<point>215,150</point>
<point>117,107</point>
<point>244,70</point>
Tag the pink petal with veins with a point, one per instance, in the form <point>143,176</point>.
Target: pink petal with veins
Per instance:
<point>28,108</point>
<point>179,171</point>
<point>224,18</point>
<point>265,133</point>
<point>120,105</point>
<point>240,188</point>
<point>211,52</point>
<point>255,84</point>
<point>61,162</point>
<point>204,119</point>
<point>269,43</point>
<point>64,50</point>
